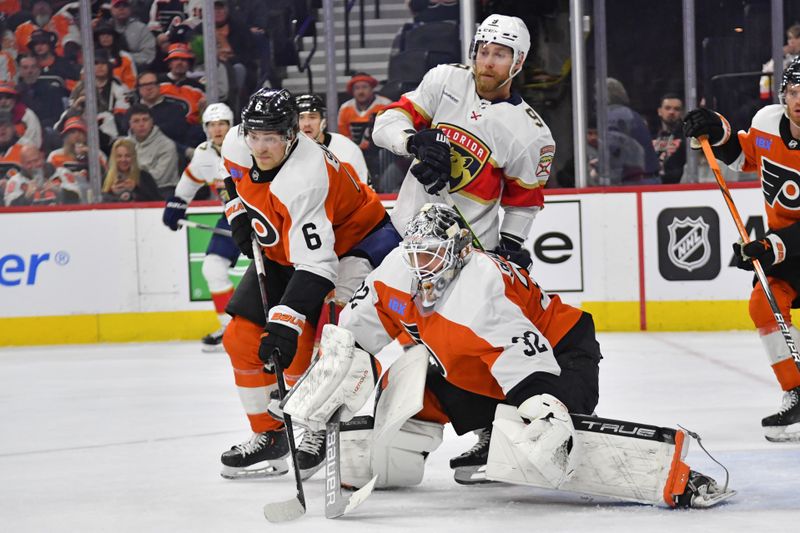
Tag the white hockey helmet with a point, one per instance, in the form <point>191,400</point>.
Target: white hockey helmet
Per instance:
<point>218,111</point>
<point>435,247</point>
<point>505,30</point>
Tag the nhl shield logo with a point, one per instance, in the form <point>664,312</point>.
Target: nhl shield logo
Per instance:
<point>688,246</point>
<point>688,243</point>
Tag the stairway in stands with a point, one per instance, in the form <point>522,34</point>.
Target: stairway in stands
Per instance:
<point>372,59</point>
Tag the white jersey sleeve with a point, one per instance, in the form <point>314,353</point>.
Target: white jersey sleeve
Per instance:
<point>346,150</point>
<point>204,168</point>
<point>391,125</point>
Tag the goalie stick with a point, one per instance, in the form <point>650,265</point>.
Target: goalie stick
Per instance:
<point>294,508</point>
<point>745,236</point>
<point>191,224</point>
<point>336,504</point>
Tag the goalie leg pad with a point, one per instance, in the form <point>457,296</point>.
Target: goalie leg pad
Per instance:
<point>625,460</point>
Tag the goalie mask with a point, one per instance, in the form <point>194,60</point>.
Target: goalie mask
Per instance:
<point>507,31</point>
<point>435,247</point>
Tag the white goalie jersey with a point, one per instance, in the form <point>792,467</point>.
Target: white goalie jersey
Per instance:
<point>501,152</point>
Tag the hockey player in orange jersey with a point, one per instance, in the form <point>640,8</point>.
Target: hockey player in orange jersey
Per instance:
<point>502,353</point>
<point>320,228</point>
<point>770,147</point>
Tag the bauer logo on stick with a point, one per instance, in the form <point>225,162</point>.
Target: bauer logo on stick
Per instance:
<point>688,243</point>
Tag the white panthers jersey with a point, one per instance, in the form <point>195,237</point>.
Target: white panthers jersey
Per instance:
<point>204,168</point>
<point>346,150</point>
<point>501,154</point>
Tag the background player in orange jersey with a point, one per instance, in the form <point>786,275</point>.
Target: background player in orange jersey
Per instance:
<point>319,228</point>
<point>770,147</point>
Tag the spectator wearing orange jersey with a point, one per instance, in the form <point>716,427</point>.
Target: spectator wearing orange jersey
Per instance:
<point>9,6</point>
<point>357,116</point>
<point>25,120</point>
<point>176,83</point>
<point>61,25</point>
<point>42,45</point>
<point>123,67</point>
<point>73,155</point>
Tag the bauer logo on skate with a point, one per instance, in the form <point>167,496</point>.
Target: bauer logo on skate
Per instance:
<point>688,241</point>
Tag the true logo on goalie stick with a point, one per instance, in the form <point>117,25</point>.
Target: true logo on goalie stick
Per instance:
<point>688,244</point>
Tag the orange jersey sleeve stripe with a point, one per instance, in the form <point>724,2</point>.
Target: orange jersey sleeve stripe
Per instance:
<point>416,114</point>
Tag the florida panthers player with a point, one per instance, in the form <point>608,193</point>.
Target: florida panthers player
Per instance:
<point>770,147</point>
<point>507,354</point>
<point>476,140</point>
<point>222,252</point>
<point>320,228</point>
<point>313,119</point>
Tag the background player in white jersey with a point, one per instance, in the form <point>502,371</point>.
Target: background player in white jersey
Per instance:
<point>496,150</point>
<point>504,351</point>
<point>476,140</point>
<point>319,228</point>
<point>222,252</point>
<point>770,147</point>
<point>312,120</point>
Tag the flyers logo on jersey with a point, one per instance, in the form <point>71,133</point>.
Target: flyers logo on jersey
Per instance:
<point>780,184</point>
<point>264,229</point>
<point>468,156</point>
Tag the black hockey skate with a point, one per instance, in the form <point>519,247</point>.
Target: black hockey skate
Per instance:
<point>784,426</point>
<point>262,456</point>
<point>701,492</point>
<point>311,453</point>
<point>213,341</point>
<point>470,466</point>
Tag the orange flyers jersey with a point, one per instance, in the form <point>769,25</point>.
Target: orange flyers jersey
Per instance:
<point>769,149</point>
<point>491,328</point>
<point>501,152</point>
<point>312,212</point>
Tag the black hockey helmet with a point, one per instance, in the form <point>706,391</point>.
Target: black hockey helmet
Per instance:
<point>311,103</point>
<point>271,110</point>
<point>791,75</point>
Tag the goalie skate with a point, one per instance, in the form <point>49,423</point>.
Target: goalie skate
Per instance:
<point>470,467</point>
<point>784,426</point>
<point>264,455</point>
<point>702,492</point>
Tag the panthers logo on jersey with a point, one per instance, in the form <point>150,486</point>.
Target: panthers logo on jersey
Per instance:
<point>468,156</point>
<point>780,184</point>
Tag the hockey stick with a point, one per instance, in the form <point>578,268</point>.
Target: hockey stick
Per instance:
<point>217,231</point>
<point>745,236</point>
<point>445,194</point>
<point>335,503</point>
<point>294,508</point>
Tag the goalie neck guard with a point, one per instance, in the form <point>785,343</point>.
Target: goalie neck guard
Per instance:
<point>435,247</point>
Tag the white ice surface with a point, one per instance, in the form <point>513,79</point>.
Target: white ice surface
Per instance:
<point>127,438</point>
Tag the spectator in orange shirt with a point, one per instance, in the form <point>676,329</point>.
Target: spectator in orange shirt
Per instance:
<point>60,25</point>
<point>357,115</point>
<point>177,84</point>
<point>123,67</point>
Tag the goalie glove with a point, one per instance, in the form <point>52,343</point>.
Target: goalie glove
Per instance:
<point>548,440</point>
<point>342,376</point>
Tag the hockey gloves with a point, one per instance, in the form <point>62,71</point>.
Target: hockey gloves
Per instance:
<point>513,251</point>
<point>769,251</point>
<point>174,210</point>
<point>703,121</point>
<point>432,148</point>
<point>280,337</point>
<point>239,220</point>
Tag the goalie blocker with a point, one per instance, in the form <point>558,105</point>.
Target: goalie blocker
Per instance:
<point>537,444</point>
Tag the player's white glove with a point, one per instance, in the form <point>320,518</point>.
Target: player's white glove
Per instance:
<point>548,440</point>
<point>342,376</point>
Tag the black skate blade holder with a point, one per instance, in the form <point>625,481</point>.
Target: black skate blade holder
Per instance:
<point>696,437</point>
